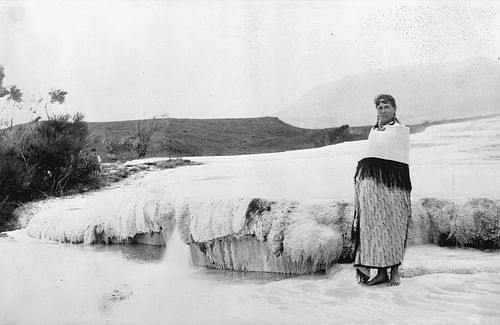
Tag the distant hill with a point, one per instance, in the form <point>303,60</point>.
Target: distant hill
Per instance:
<point>423,93</point>
<point>196,137</point>
<point>209,137</point>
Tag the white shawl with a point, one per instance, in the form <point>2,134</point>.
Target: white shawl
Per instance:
<point>393,143</point>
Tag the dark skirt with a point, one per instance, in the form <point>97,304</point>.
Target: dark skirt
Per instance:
<point>382,212</point>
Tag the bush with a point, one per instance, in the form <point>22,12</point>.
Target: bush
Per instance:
<point>56,153</point>
<point>15,180</point>
<point>40,157</point>
<point>14,176</point>
<point>123,149</point>
<point>44,158</point>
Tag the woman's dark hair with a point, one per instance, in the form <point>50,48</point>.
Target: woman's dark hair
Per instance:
<point>385,98</point>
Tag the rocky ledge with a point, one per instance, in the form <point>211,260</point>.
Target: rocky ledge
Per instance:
<point>253,234</point>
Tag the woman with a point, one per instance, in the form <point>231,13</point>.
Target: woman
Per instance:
<point>382,198</point>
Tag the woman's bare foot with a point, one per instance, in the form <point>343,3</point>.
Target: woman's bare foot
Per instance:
<point>395,277</point>
<point>363,274</point>
<point>381,277</point>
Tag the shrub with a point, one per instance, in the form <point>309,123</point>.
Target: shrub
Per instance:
<point>15,178</point>
<point>56,152</point>
<point>123,148</point>
<point>40,157</point>
<point>44,158</point>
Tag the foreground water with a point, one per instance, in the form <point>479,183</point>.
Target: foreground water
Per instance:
<point>46,283</point>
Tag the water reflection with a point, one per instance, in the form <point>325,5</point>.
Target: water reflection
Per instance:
<point>133,252</point>
<point>241,277</point>
<point>145,254</point>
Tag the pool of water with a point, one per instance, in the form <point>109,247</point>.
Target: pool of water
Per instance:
<point>44,282</point>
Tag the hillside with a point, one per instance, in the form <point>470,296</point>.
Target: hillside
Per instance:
<point>210,137</point>
<point>197,137</point>
<point>423,93</point>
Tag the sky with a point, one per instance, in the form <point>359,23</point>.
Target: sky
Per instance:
<point>123,60</point>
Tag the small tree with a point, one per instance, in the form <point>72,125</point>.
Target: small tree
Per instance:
<point>3,90</point>
<point>145,130</point>
<point>13,139</point>
<point>13,100</point>
<point>57,96</point>
<point>143,136</point>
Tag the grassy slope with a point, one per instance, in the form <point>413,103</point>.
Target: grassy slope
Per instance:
<point>194,137</point>
<point>190,137</point>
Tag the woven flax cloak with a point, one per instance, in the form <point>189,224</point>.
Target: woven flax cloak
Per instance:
<point>382,198</point>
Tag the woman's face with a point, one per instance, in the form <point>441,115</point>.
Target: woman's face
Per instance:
<point>385,112</point>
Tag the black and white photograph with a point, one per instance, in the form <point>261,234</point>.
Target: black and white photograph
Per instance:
<point>249,162</point>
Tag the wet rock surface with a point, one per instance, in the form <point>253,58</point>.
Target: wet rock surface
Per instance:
<point>301,237</point>
<point>247,234</point>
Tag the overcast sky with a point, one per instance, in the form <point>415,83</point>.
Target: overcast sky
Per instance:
<point>134,59</point>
